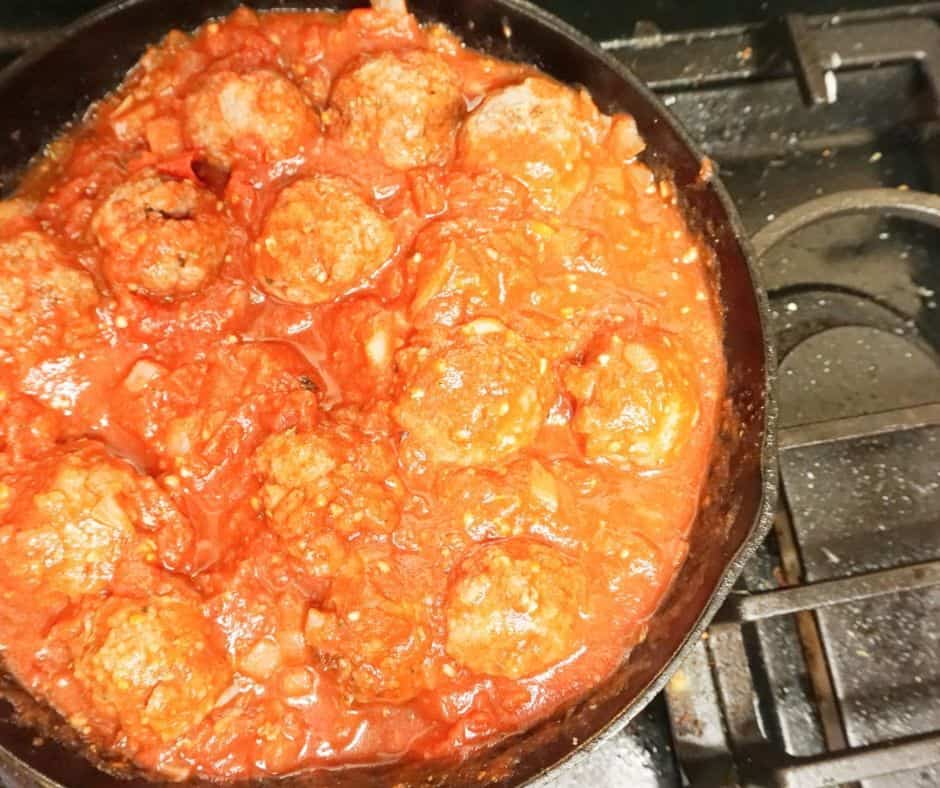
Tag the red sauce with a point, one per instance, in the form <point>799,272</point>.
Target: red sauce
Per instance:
<point>357,394</point>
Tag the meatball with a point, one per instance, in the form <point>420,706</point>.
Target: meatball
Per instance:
<point>632,569</point>
<point>374,631</point>
<point>467,271</point>
<point>156,663</point>
<point>635,400</point>
<point>360,341</point>
<point>534,131</point>
<point>336,481</point>
<point>404,105</point>
<point>475,401</point>
<point>76,517</point>
<point>321,240</point>
<point>27,427</point>
<point>161,237</point>
<point>551,283</point>
<point>205,417</point>
<point>260,116</point>
<point>524,499</point>
<point>514,609</point>
<point>45,301</point>
<point>262,628</point>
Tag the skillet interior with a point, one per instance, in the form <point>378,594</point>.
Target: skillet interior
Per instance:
<point>50,87</point>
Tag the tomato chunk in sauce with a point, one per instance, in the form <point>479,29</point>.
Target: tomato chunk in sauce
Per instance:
<point>357,391</point>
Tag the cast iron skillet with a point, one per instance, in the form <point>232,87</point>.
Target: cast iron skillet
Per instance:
<point>48,88</point>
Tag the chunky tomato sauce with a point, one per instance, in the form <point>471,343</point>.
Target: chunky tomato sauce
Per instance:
<point>357,394</point>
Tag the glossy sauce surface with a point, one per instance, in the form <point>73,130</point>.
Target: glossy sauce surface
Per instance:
<point>358,390</point>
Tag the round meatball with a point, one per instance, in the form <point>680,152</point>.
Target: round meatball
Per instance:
<point>551,283</point>
<point>157,664</point>
<point>259,116</point>
<point>205,417</point>
<point>374,631</point>
<point>635,400</point>
<point>27,427</point>
<point>467,272</point>
<point>527,498</point>
<point>333,481</point>
<point>514,609</point>
<point>404,105</point>
<point>260,615</point>
<point>76,517</point>
<point>44,300</point>
<point>475,401</point>
<point>161,237</point>
<point>321,240</point>
<point>524,498</point>
<point>534,131</point>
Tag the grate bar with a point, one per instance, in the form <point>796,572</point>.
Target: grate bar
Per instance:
<point>695,58</point>
<point>784,601</point>
<point>809,70</point>
<point>864,426</point>
<point>859,763</point>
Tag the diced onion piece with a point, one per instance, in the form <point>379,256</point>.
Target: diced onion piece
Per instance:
<point>433,284</point>
<point>164,136</point>
<point>178,442</point>
<point>141,374</point>
<point>318,625</point>
<point>483,326</point>
<point>390,6</point>
<point>625,140</point>
<point>544,487</point>
<point>293,645</point>
<point>263,659</point>
<point>379,347</point>
<point>298,681</point>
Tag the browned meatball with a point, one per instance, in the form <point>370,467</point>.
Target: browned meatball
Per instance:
<point>27,427</point>
<point>44,299</point>
<point>373,631</point>
<point>333,481</point>
<point>321,240</point>
<point>534,131</point>
<point>156,664</point>
<point>82,515</point>
<point>635,399</point>
<point>259,116</point>
<point>203,419</point>
<point>161,237</point>
<point>477,400</point>
<point>549,282</point>
<point>523,499</point>
<point>467,272</point>
<point>404,105</point>
<point>514,609</point>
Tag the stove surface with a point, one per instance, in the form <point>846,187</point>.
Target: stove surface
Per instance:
<point>835,679</point>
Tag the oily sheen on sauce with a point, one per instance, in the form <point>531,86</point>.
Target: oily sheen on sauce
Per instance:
<point>356,394</point>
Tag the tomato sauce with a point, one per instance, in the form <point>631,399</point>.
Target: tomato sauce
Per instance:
<point>357,390</point>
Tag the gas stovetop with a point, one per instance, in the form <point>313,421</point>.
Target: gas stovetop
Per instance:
<point>824,667</point>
